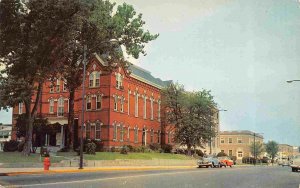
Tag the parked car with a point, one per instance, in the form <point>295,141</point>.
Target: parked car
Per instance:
<point>295,163</point>
<point>283,162</point>
<point>226,161</point>
<point>209,161</point>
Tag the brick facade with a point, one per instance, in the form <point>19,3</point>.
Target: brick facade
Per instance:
<point>121,107</point>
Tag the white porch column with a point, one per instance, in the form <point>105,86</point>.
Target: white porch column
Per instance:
<point>62,137</point>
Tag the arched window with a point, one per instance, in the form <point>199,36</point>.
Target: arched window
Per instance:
<point>94,79</point>
<point>51,106</point>
<point>60,106</point>
<point>122,133</point>
<point>98,102</point>
<point>98,130</point>
<point>115,131</point>
<point>88,103</point>
<point>119,81</point>
<point>151,135</point>
<point>136,134</point>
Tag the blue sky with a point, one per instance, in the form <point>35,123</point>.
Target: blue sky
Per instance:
<point>243,51</point>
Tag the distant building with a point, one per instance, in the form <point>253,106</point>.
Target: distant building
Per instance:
<point>296,150</point>
<point>237,143</point>
<point>285,150</point>
<point>5,134</point>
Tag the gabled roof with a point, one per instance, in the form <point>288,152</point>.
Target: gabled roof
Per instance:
<point>145,76</point>
<point>140,74</point>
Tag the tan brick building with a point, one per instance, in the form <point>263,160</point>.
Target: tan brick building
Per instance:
<point>285,150</point>
<point>237,143</point>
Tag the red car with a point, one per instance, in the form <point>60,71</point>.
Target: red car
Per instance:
<point>226,161</point>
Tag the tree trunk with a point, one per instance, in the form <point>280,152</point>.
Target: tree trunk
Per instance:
<point>189,146</point>
<point>28,137</point>
<point>70,128</point>
<point>30,116</point>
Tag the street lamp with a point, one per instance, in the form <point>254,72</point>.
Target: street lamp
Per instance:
<point>210,140</point>
<point>290,81</point>
<point>254,147</point>
<point>83,107</point>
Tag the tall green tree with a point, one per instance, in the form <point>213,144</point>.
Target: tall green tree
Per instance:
<point>191,113</point>
<point>272,149</point>
<point>257,148</point>
<point>31,35</point>
<point>104,33</point>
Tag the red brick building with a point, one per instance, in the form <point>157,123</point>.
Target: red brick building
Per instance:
<point>121,107</point>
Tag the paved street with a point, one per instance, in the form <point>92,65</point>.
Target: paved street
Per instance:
<point>280,177</point>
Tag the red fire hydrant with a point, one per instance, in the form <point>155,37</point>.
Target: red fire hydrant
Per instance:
<point>46,163</point>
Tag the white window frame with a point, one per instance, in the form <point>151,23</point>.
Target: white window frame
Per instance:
<point>115,102</point>
<point>115,131</point>
<point>229,141</point>
<point>65,85</point>
<point>51,88</point>
<point>94,79</point>
<point>98,130</point>
<point>239,141</point>
<point>51,106</point>
<point>238,153</point>
<point>60,107</point>
<point>88,101</point>
<point>222,141</point>
<point>122,104</point>
<point>145,107</point>
<point>121,133</point>
<point>57,88</point>
<point>20,108</point>
<point>98,102</point>
<point>119,80</point>
<point>136,135</point>
<point>151,108</point>
<point>158,111</point>
<point>136,105</point>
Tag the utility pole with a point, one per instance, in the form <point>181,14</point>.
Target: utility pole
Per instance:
<point>82,109</point>
<point>254,152</point>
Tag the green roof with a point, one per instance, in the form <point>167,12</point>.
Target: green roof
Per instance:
<point>145,76</point>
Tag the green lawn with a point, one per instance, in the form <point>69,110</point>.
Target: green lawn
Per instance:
<point>17,157</point>
<point>143,156</point>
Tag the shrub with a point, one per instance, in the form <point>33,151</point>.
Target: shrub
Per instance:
<point>199,152</point>
<point>130,148</point>
<point>10,146</point>
<point>99,144</point>
<point>167,148</point>
<point>233,158</point>
<point>65,149</point>
<point>113,149</point>
<point>91,148</point>
<point>21,146</point>
<point>154,146</point>
<point>248,160</point>
<point>44,152</point>
<point>179,151</point>
<point>124,150</point>
<point>221,154</point>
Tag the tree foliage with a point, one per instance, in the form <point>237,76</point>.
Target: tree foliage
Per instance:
<point>191,113</point>
<point>41,40</point>
<point>272,149</point>
<point>257,148</point>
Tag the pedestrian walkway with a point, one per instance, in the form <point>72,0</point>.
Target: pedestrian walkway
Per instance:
<point>24,171</point>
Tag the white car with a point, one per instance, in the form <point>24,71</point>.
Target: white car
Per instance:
<point>295,163</point>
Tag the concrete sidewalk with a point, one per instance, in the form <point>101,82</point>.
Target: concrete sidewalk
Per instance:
<point>55,170</point>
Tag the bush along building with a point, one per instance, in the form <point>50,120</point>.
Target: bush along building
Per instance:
<point>122,107</point>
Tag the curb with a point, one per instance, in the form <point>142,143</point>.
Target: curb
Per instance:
<point>61,171</point>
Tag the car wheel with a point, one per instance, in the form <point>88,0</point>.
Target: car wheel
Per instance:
<point>207,166</point>
<point>213,165</point>
<point>230,166</point>
<point>293,170</point>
